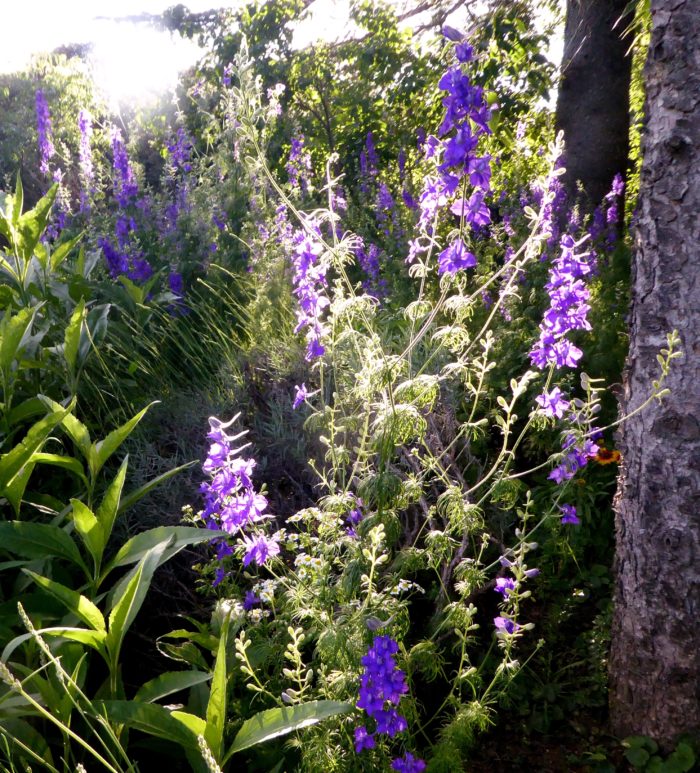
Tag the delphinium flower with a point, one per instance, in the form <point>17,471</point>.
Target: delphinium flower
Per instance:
<point>569,514</point>
<point>117,261</point>
<point>553,403</point>
<point>298,165</point>
<point>465,121</point>
<point>504,585</point>
<point>309,286</point>
<point>44,132</point>
<point>381,686</point>
<point>180,151</point>
<point>300,396</point>
<point>408,764</point>
<point>125,186</point>
<point>87,172</point>
<point>504,625</point>
<point>577,453</point>
<point>455,258</point>
<point>567,311</point>
<point>368,260</point>
<point>231,502</point>
<point>385,210</point>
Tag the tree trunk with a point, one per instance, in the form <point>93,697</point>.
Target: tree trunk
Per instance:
<point>593,100</point>
<point>655,656</point>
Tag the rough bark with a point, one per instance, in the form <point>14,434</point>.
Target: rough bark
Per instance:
<point>655,656</point>
<point>593,99</point>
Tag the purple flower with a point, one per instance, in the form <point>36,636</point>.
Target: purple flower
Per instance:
<point>569,514</point>
<point>250,600</point>
<point>382,683</point>
<point>87,173</point>
<point>553,403</point>
<point>300,396</point>
<point>259,548</point>
<point>363,739</point>
<point>125,186</point>
<point>504,585</point>
<point>505,625</point>
<point>408,764</point>
<point>455,258</point>
<point>44,132</point>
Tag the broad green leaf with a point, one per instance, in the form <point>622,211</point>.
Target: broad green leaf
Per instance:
<point>61,252</point>
<point>94,331</point>
<point>168,683</point>
<point>109,506</point>
<point>72,600</point>
<point>216,706</point>
<point>71,338</point>
<point>21,733</point>
<point>69,463</point>
<point>25,410</point>
<point>38,540</point>
<point>181,536</point>
<point>15,491</point>
<point>272,723</point>
<point>32,224</point>
<point>87,525</point>
<point>148,718</point>
<point>17,202</point>
<point>93,639</point>
<point>13,461</point>
<point>14,331</point>
<point>103,449</point>
<point>133,496</point>
<point>128,604</point>
<point>192,721</point>
<point>76,430</point>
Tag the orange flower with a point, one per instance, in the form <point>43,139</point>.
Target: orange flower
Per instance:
<point>604,456</point>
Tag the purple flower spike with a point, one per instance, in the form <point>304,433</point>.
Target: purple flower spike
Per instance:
<point>259,548</point>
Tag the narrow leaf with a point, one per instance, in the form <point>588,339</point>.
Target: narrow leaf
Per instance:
<point>216,706</point>
<point>169,683</point>
<point>272,723</point>
<point>109,507</point>
<point>138,546</point>
<point>87,525</point>
<point>148,718</point>
<point>38,540</point>
<point>72,600</point>
<point>71,338</point>
<point>103,449</point>
<point>133,496</point>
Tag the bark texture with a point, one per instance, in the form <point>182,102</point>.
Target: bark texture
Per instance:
<point>655,656</point>
<point>593,100</point>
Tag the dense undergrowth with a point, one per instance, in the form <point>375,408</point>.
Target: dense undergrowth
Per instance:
<point>316,388</point>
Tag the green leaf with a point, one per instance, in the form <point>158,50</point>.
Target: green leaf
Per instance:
<point>128,604</point>
<point>76,430</point>
<point>15,491</point>
<point>103,449</point>
<point>168,683</point>
<point>109,506</point>
<point>38,540</point>
<point>21,733</point>
<point>71,338</point>
<point>69,463</point>
<point>133,496</point>
<point>216,706</point>
<point>266,725</point>
<point>682,759</point>
<point>25,410</point>
<point>148,718</point>
<point>192,721</point>
<point>32,224</point>
<point>14,331</point>
<point>181,536</point>
<point>12,462</point>
<point>17,202</point>
<point>61,252</point>
<point>87,525</point>
<point>93,639</point>
<point>72,600</point>
<point>637,757</point>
